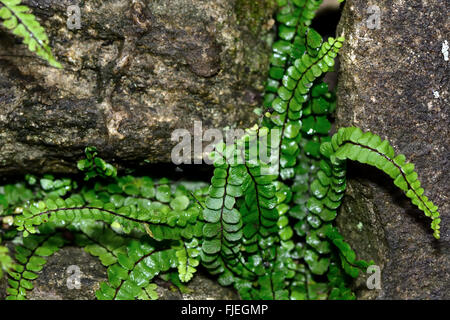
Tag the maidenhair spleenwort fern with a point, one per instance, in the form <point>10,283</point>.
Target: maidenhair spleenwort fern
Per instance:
<point>265,227</point>
<point>18,19</point>
<point>30,259</point>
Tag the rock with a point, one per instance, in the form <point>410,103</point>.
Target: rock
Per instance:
<point>55,282</point>
<point>393,81</point>
<point>133,73</point>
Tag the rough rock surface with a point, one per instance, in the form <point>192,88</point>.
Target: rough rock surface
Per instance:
<point>394,81</point>
<point>53,280</point>
<point>134,72</point>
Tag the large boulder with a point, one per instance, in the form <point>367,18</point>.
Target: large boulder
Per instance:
<point>393,81</point>
<point>133,73</point>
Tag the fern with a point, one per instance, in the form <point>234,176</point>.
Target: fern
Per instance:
<point>6,263</point>
<point>160,220</point>
<point>188,257</point>
<point>293,19</point>
<point>266,228</point>
<point>18,19</point>
<point>293,93</point>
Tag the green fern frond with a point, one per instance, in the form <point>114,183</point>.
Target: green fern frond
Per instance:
<point>22,23</point>
<point>291,96</point>
<point>293,20</point>
<point>351,143</point>
<point>350,264</point>
<point>160,221</point>
<point>6,263</point>
<point>223,222</point>
<point>30,258</point>
<point>164,211</point>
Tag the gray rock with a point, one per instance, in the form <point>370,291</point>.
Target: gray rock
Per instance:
<point>55,281</point>
<point>393,81</point>
<point>134,72</point>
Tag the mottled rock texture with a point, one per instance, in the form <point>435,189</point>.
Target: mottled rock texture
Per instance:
<point>56,281</point>
<point>394,81</point>
<point>134,72</point>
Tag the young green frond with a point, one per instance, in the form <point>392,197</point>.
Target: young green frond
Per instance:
<point>293,18</point>
<point>95,166</point>
<point>6,263</point>
<point>297,82</point>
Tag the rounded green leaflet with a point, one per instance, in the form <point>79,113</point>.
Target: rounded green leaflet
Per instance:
<point>214,203</point>
<point>292,129</point>
<point>286,33</point>
<point>317,265</point>
<point>117,200</point>
<point>318,190</point>
<point>313,38</point>
<point>46,184</point>
<point>216,192</point>
<point>233,236</point>
<point>312,148</point>
<point>286,233</point>
<point>279,105</point>
<point>276,73</point>
<point>131,189</point>
<point>44,251</point>
<point>148,191</point>
<point>180,203</point>
<point>322,125</point>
